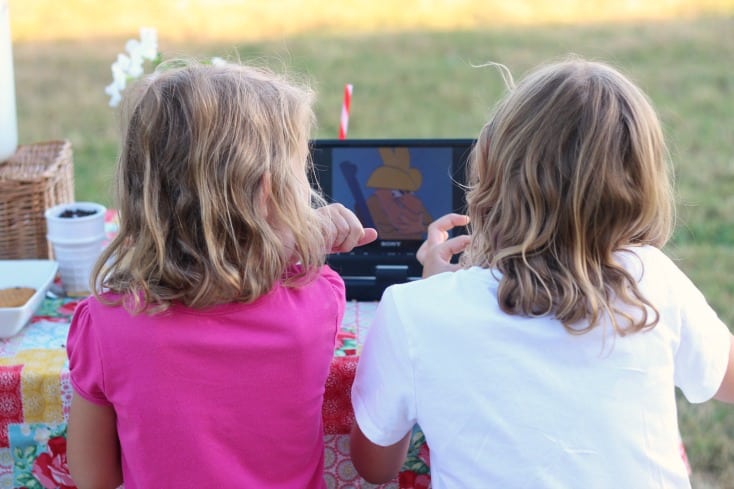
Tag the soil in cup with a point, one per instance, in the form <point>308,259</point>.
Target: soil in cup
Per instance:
<point>72,213</point>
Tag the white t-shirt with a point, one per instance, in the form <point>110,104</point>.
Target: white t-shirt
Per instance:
<point>513,402</point>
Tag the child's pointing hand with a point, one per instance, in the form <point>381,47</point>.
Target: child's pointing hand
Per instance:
<point>342,229</point>
<point>437,250</point>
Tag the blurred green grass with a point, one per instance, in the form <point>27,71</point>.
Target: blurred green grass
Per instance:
<point>419,80</point>
<point>203,20</point>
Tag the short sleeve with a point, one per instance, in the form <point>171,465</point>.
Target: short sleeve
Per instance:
<point>339,290</point>
<point>383,394</point>
<point>703,351</point>
<point>85,361</point>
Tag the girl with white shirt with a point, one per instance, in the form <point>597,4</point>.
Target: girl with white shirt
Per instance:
<point>549,356</point>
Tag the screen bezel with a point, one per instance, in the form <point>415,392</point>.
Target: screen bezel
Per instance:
<point>324,167</point>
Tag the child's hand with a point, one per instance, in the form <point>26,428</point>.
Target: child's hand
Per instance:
<point>342,229</point>
<point>437,250</point>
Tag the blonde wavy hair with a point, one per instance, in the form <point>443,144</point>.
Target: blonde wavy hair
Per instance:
<point>571,168</point>
<point>201,144</point>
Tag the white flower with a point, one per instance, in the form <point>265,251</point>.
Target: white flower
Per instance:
<point>132,46</point>
<point>122,63</point>
<point>148,43</point>
<point>113,90</point>
<point>130,66</point>
<point>119,73</point>
<point>42,435</point>
<point>136,65</point>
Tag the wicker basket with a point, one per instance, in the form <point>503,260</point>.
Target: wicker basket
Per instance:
<point>36,177</point>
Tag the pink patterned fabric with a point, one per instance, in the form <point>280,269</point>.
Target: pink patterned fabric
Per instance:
<point>11,403</point>
<point>337,410</point>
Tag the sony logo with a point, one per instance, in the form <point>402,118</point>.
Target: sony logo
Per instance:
<point>390,244</point>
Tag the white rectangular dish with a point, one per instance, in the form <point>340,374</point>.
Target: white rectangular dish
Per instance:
<point>37,274</point>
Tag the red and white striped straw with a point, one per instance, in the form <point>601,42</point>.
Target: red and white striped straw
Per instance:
<point>344,121</point>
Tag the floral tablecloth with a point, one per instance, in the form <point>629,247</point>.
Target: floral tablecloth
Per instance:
<point>35,394</point>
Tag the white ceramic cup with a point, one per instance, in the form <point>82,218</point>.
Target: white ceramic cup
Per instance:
<point>77,243</point>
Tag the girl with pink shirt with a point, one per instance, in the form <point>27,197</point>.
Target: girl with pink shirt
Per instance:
<point>201,358</point>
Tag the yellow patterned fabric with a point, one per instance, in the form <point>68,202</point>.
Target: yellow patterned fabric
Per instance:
<point>40,383</point>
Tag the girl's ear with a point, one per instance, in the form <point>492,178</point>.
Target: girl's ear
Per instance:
<point>265,191</point>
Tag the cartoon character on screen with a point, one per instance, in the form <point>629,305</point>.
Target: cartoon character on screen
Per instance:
<point>396,211</point>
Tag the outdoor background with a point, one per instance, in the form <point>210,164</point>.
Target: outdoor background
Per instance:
<point>413,67</point>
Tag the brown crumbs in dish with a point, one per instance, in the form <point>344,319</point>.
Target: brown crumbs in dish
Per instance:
<point>15,296</point>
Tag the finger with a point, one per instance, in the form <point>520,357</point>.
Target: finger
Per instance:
<point>423,251</point>
<point>449,221</point>
<point>443,251</point>
<point>437,258</point>
<point>438,232</point>
<point>334,226</point>
<point>453,246</point>
<point>340,227</point>
<point>353,234</point>
<point>369,235</point>
<point>438,229</point>
<point>359,237</point>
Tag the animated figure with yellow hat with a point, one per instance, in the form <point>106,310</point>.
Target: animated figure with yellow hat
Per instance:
<point>396,211</point>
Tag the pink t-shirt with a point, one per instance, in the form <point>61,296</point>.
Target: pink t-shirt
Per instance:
<point>227,397</point>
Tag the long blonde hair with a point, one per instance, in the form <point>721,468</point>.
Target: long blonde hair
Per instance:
<point>571,168</point>
<point>199,144</point>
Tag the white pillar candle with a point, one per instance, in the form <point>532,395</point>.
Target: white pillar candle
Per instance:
<point>8,120</point>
